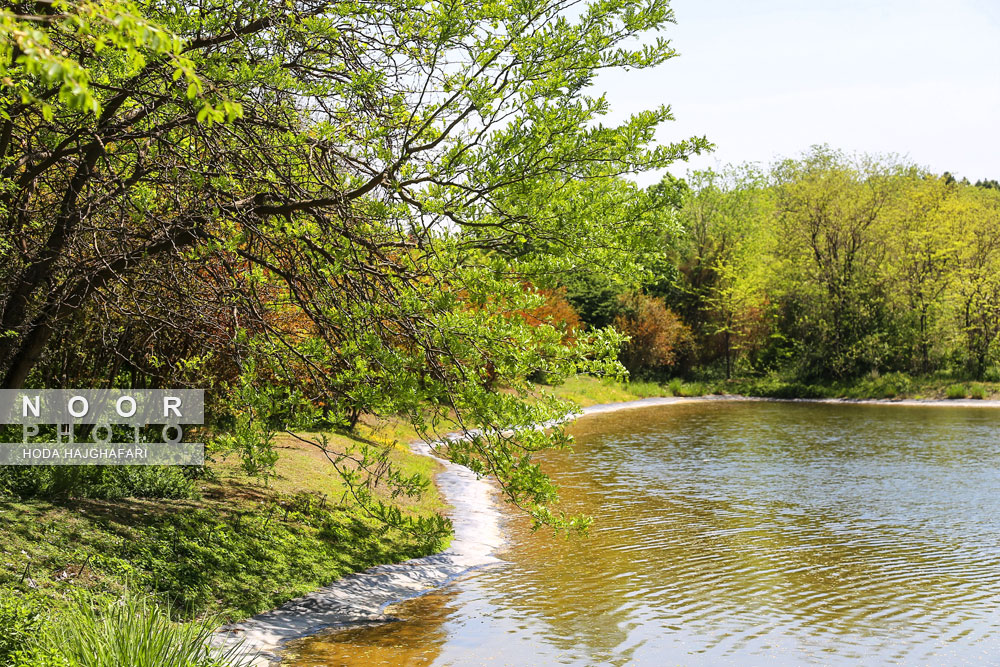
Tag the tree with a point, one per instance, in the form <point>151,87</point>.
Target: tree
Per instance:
<point>924,254</point>
<point>833,241</point>
<point>976,216</point>
<point>721,255</point>
<point>392,172</point>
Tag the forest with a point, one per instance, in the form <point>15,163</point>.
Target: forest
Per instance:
<point>819,268</point>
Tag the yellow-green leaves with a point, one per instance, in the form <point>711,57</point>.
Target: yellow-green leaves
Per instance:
<point>73,49</point>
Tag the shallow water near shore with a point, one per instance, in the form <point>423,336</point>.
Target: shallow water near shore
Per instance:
<point>734,533</point>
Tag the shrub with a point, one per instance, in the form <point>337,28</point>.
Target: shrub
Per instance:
<point>100,482</point>
<point>977,391</point>
<point>692,389</point>
<point>657,337</point>
<point>556,311</point>
<point>955,391</point>
<point>889,385</point>
<point>772,387</point>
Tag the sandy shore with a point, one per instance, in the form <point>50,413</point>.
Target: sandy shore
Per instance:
<point>362,597</point>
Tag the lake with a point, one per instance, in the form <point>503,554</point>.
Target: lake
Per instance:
<point>735,533</point>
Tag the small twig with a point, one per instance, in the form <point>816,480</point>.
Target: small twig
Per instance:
<point>83,567</point>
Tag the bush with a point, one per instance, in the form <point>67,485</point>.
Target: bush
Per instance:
<point>977,391</point>
<point>954,391</point>
<point>889,385</point>
<point>771,387</point>
<point>658,340</point>
<point>693,389</point>
<point>99,482</point>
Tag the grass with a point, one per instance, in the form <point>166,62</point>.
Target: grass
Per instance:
<point>237,549</point>
<point>589,391</point>
<point>88,630</point>
<point>955,391</point>
<point>594,391</point>
<point>132,630</point>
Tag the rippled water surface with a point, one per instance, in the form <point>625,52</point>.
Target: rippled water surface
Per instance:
<point>736,533</point>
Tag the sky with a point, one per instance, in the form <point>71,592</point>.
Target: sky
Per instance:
<point>764,79</point>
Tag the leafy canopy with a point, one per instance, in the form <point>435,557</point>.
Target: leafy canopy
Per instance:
<point>349,195</point>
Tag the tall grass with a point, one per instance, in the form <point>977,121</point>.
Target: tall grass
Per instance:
<point>678,387</point>
<point>133,631</point>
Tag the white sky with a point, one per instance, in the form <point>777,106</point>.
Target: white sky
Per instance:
<point>768,78</point>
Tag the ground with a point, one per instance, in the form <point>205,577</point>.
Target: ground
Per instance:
<point>236,549</point>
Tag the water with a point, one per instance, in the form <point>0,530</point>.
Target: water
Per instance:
<point>735,533</point>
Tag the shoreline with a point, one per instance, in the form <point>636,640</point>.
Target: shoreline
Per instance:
<point>362,597</point>
<point>901,402</point>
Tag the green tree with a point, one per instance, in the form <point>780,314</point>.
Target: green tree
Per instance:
<point>353,194</point>
<point>924,252</point>
<point>975,213</point>
<point>833,229</point>
<point>722,254</point>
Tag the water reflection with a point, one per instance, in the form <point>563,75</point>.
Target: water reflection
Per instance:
<point>728,532</point>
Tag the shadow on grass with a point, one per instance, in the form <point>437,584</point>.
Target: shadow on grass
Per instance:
<point>202,556</point>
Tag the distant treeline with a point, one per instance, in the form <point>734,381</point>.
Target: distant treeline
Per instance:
<point>825,267</point>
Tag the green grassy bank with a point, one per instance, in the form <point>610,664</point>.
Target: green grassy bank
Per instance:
<point>591,391</point>
<point>224,548</point>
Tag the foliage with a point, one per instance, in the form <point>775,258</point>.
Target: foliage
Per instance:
<point>954,391</point>
<point>251,433</point>
<point>720,285</point>
<point>557,311</point>
<point>889,385</point>
<point>594,296</point>
<point>658,339</point>
<point>350,196</point>
<point>773,386</point>
<point>22,618</point>
<point>837,267</point>
<point>102,482</point>
<point>678,387</point>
